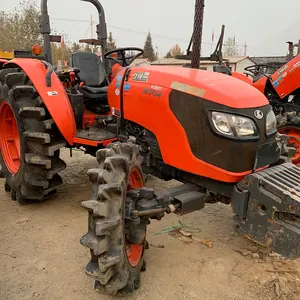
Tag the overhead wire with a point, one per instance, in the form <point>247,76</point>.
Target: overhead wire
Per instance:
<point>155,34</point>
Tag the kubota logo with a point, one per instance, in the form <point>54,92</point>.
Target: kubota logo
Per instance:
<point>259,114</point>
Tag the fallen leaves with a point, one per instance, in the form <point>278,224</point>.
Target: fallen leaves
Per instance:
<point>188,237</point>
<point>183,235</point>
<point>207,243</point>
<point>23,221</point>
<point>246,252</point>
<point>277,288</point>
<point>157,246</point>
<point>179,226</point>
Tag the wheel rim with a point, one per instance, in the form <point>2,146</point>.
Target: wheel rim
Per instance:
<point>294,141</point>
<point>9,138</point>
<point>134,251</point>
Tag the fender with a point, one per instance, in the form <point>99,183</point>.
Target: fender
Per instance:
<point>261,83</point>
<point>57,103</point>
<point>3,61</point>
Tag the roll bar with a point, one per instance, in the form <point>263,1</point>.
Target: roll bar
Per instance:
<point>45,29</point>
<point>101,28</point>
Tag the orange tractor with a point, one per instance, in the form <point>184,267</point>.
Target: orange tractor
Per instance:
<point>214,133</point>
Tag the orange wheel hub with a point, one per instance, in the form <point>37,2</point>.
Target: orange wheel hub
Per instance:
<point>294,134</point>
<point>9,138</point>
<point>134,251</point>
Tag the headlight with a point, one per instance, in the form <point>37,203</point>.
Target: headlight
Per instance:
<point>271,123</point>
<point>233,125</point>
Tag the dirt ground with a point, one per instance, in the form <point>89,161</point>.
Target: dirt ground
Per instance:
<point>41,258</point>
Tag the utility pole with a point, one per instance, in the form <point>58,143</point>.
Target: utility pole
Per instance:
<point>91,24</point>
<point>197,34</point>
<point>245,49</point>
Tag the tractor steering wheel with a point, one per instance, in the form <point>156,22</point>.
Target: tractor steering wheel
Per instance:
<point>124,61</point>
<point>254,70</point>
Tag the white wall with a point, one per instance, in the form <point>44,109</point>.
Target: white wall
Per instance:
<point>240,66</point>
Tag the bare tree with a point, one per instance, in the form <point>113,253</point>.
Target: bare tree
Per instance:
<point>231,48</point>
<point>176,50</point>
<point>20,27</point>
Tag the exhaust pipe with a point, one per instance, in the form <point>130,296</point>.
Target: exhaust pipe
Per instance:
<point>101,27</point>
<point>45,30</point>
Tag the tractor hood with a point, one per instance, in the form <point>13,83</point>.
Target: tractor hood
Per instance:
<point>157,97</point>
<point>216,87</point>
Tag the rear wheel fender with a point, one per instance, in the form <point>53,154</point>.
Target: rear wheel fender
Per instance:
<point>55,97</point>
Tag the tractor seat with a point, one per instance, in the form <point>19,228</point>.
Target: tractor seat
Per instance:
<point>94,90</point>
<point>92,73</point>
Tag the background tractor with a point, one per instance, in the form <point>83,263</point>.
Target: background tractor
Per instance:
<point>282,88</point>
<point>174,123</point>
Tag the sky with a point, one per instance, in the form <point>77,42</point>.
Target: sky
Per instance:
<point>264,25</point>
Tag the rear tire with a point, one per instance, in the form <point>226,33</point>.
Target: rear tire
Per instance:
<point>115,268</point>
<point>36,175</point>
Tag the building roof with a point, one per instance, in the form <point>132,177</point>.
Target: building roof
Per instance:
<point>264,60</point>
<point>174,61</point>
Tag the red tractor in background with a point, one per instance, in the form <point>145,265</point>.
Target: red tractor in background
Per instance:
<point>282,88</point>
<point>214,133</point>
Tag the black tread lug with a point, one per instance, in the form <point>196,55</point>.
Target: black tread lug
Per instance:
<point>29,193</point>
<point>57,165</point>
<point>36,180</point>
<point>38,137</point>
<point>106,261</point>
<point>4,72</point>
<point>98,245</point>
<point>55,182</point>
<point>104,227</point>
<point>36,159</point>
<point>48,150</point>
<point>47,124</point>
<point>32,112</point>
<point>12,79</point>
<point>22,91</point>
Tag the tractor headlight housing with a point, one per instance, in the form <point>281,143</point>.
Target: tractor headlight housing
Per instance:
<point>234,126</point>
<point>271,123</point>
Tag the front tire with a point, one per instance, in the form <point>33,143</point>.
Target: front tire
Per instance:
<point>30,142</point>
<point>116,261</point>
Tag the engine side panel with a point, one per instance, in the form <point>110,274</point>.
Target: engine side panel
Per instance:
<point>54,97</point>
<point>146,102</point>
<point>286,79</point>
